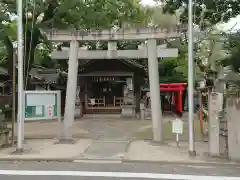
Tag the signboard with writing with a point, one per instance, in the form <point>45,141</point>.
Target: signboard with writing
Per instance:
<point>177,126</point>
<point>42,105</point>
<point>104,78</point>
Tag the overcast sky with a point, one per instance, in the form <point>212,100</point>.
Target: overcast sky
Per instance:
<point>148,2</point>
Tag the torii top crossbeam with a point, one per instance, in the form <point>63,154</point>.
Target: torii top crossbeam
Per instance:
<point>120,34</point>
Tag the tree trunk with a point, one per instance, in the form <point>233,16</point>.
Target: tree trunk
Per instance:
<point>10,51</point>
<point>32,40</point>
<point>29,59</point>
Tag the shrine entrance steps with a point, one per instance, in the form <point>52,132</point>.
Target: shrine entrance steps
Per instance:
<point>103,110</point>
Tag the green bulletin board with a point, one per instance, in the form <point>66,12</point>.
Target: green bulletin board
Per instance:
<point>42,105</point>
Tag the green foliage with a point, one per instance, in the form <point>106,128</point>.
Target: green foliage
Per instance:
<point>234,42</point>
<point>41,56</point>
<point>211,51</point>
<point>173,70</point>
<point>234,48</point>
<point>62,14</point>
<point>154,17</point>
<point>9,30</point>
<point>207,12</point>
<point>93,14</point>
<point>103,14</point>
<point>3,55</point>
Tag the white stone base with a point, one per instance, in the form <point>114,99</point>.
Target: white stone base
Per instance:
<point>128,111</point>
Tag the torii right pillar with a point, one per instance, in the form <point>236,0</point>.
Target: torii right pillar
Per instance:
<point>157,121</point>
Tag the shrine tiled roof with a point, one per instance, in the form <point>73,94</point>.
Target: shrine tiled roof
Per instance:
<point>131,62</point>
<point>46,76</point>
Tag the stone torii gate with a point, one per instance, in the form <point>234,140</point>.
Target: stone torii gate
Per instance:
<point>113,53</point>
<point>152,52</point>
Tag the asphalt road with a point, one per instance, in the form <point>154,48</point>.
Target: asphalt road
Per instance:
<point>113,171</point>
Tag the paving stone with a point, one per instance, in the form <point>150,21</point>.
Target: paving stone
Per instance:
<point>106,150</point>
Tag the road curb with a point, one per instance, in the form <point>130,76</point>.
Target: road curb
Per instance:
<point>37,159</point>
<point>233,164</point>
<point>60,160</point>
<point>122,160</point>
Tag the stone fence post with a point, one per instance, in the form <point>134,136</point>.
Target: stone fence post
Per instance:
<point>233,124</point>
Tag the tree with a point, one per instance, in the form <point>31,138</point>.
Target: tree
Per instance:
<point>210,51</point>
<point>234,48</point>
<point>7,36</point>
<point>209,40</point>
<point>64,14</point>
<point>168,71</point>
<point>206,12</point>
<point>155,17</point>
<point>3,55</point>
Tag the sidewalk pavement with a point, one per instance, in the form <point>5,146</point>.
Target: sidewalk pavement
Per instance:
<point>132,151</point>
<point>46,149</point>
<point>50,129</point>
<point>147,151</point>
<point>104,128</point>
<point>107,139</point>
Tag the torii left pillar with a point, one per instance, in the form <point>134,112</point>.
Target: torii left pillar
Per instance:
<point>71,93</point>
<point>157,121</point>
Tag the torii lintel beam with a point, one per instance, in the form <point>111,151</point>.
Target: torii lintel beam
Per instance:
<point>115,54</point>
<point>120,34</point>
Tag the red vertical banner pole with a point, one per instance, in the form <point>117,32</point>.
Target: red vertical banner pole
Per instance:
<point>180,109</point>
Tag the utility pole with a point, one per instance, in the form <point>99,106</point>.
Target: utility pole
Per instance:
<point>191,143</point>
<point>20,120</point>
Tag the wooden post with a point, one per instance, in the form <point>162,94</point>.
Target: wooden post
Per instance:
<point>201,114</point>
